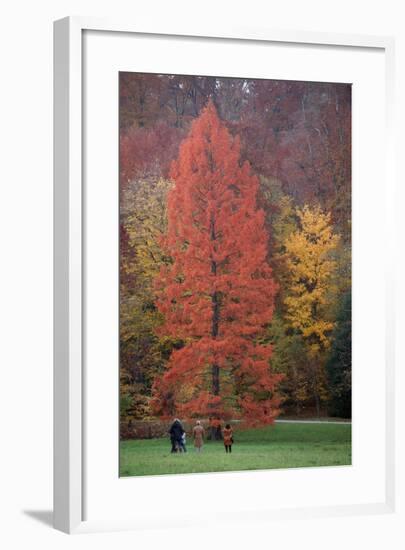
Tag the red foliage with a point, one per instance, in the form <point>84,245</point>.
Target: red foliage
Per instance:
<point>300,133</point>
<point>296,132</point>
<point>146,152</point>
<point>218,293</point>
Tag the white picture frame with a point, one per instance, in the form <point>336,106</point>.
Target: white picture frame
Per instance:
<point>69,338</point>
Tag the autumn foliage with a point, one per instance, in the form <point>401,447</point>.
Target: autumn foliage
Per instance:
<point>311,291</point>
<point>217,294</point>
<point>235,248</point>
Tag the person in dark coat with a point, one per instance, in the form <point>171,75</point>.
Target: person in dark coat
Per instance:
<point>176,433</point>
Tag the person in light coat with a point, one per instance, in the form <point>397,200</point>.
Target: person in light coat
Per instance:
<point>198,435</point>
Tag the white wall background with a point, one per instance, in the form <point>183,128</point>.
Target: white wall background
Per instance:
<point>26,267</point>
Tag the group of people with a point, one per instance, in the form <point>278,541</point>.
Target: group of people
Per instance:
<point>178,437</point>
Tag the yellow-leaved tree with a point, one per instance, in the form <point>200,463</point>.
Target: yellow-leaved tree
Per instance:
<point>310,296</point>
<point>143,221</point>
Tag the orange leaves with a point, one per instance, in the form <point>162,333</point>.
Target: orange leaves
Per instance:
<point>218,292</point>
<point>258,413</point>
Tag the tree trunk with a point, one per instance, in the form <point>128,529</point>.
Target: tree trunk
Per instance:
<point>317,404</point>
<point>215,431</point>
<point>215,379</point>
<point>214,333</point>
<point>215,314</point>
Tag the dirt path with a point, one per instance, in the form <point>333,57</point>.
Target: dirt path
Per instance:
<point>313,421</point>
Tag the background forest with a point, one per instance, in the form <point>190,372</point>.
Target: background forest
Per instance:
<point>297,138</point>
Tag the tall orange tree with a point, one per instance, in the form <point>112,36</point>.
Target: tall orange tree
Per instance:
<point>217,294</point>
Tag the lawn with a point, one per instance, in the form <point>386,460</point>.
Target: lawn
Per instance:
<point>289,445</point>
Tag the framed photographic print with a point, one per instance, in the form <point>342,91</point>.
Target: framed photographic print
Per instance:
<point>215,222</point>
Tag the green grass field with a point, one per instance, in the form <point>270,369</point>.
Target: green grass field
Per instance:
<point>290,445</point>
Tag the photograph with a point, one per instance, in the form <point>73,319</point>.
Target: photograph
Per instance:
<point>235,274</point>
<point>203,275</point>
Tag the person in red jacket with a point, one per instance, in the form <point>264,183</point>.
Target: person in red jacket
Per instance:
<point>228,438</point>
